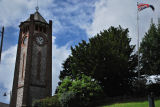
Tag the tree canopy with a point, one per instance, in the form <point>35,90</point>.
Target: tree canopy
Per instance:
<point>150,51</point>
<point>108,57</point>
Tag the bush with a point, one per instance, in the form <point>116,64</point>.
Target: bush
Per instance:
<point>79,92</point>
<point>68,99</point>
<point>139,88</point>
<point>47,102</point>
<point>155,88</point>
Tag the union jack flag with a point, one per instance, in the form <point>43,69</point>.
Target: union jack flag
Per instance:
<point>142,6</point>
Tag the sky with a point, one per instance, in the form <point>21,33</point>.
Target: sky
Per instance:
<point>73,21</point>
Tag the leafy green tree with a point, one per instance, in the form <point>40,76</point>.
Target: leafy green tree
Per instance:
<point>150,51</point>
<point>78,92</point>
<point>108,57</point>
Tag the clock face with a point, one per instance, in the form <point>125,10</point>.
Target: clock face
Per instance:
<point>40,40</point>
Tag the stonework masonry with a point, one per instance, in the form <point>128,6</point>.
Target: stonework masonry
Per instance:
<point>19,97</point>
<point>33,69</point>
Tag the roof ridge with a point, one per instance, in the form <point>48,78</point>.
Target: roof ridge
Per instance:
<point>38,17</point>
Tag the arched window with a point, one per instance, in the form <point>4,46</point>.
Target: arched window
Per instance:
<point>36,27</point>
<point>40,28</point>
<point>44,29</point>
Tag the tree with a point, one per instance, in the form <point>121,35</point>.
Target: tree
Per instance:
<point>78,92</point>
<point>108,57</point>
<point>150,51</point>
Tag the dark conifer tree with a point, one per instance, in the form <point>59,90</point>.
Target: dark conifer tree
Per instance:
<point>150,51</point>
<point>108,57</point>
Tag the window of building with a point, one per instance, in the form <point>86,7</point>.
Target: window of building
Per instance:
<point>36,27</point>
<point>44,29</point>
<point>40,28</point>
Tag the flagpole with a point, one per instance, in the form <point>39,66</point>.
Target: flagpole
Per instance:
<point>2,32</point>
<point>138,42</point>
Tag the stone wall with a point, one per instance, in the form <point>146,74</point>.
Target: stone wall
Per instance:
<point>38,68</point>
<point>19,97</point>
<point>36,93</point>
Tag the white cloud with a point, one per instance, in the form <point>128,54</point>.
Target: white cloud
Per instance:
<point>6,71</point>
<point>121,12</point>
<point>74,12</point>
<point>59,54</point>
<point>58,57</point>
<point>14,11</point>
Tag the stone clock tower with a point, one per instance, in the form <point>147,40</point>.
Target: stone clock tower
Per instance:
<point>33,69</point>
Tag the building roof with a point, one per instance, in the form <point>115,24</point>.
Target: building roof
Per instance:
<point>38,17</point>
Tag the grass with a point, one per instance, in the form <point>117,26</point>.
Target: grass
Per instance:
<point>133,104</point>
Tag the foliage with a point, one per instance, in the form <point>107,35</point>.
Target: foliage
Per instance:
<point>139,88</point>
<point>108,57</point>
<point>150,51</point>
<point>155,88</point>
<point>68,99</point>
<point>78,92</point>
<point>47,102</point>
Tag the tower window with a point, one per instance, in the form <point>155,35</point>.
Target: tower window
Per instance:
<point>40,28</point>
<point>27,28</point>
<point>36,27</point>
<point>44,29</point>
<point>23,29</point>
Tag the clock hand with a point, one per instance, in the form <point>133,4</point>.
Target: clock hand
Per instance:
<point>41,39</point>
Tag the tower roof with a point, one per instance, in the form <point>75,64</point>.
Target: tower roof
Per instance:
<point>38,17</point>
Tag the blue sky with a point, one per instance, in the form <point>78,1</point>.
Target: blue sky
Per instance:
<point>73,21</point>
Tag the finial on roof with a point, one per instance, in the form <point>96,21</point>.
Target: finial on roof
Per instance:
<point>37,8</point>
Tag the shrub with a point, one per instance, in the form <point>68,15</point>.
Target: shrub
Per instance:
<point>79,92</point>
<point>68,99</point>
<point>47,102</point>
<point>155,88</point>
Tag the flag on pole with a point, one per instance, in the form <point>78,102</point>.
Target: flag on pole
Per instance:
<point>142,6</point>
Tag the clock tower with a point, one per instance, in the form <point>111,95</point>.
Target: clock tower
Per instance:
<point>33,69</point>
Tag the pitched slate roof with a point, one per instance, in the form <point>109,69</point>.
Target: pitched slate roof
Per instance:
<point>38,17</point>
